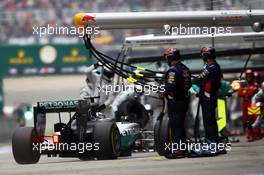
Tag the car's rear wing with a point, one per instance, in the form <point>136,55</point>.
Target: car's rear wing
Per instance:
<point>59,106</point>
<point>44,107</point>
<point>56,106</point>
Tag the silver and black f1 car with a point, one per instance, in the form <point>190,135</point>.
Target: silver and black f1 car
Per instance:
<point>87,135</point>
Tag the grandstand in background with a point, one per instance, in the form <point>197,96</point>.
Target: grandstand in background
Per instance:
<point>19,16</point>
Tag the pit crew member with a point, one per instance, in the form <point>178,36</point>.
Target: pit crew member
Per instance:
<point>209,81</point>
<point>177,84</point>
<point>247,94</point>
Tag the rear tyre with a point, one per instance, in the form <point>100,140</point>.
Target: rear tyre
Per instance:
<point>162,135</point>
<point>106,135</point>
<point>22,146</point>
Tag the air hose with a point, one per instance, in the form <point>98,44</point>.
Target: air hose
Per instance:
<point>111,64</point>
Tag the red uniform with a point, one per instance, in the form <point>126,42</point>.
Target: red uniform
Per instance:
<point>247,94</point>
<point>248,120</point>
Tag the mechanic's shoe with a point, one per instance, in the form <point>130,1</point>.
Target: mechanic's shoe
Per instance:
<point>249,135</point>
<point>223,151</point>
<point>202,153</point>
<point>177,155</point>
<point>210,151</point>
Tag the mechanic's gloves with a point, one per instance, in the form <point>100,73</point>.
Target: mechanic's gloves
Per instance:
<point>101,107</point>
<point>170,95</point>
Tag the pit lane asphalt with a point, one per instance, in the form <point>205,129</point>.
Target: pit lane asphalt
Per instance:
<point>243,159</point>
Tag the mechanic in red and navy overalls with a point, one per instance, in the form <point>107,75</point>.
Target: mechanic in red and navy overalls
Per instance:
<point>209,80</point>
<point>177,85</point>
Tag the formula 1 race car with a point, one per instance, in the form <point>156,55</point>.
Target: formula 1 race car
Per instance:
<point>88,134</point>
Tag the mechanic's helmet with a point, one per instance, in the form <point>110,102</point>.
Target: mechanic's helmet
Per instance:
<point>207,52</point>
<point>108,74</point>
<point>249,75</point>
<point>94,76</point>
<point>172,53</point>
<point>257,77</point>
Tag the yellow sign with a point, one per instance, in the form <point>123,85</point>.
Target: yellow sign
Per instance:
<point>21,59</point>
<point>254,110</point>
<point>75,57</point>
<point>221,122</point>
